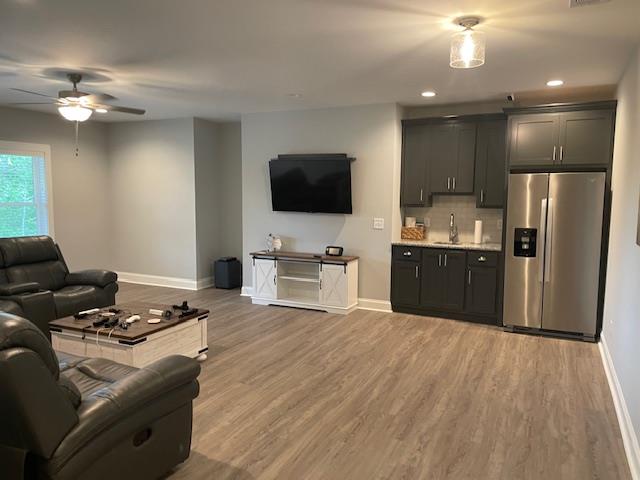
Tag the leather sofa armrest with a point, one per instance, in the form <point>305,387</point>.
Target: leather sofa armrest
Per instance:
<point>97,278</point>
<point>38,307</point>
<point>10,289</point>
<point>151,382</point>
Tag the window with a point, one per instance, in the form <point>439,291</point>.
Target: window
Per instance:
<point>25,206</point>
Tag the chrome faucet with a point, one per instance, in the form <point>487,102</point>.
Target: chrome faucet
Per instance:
<point>453,230</point>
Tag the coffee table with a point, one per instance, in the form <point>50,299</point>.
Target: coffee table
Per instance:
<point>141,344</point>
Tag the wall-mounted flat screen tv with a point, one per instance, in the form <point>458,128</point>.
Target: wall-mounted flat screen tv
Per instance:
<point>311,183</point>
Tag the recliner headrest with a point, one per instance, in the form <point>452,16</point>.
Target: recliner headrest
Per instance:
<point>18,332</point>
<point>23,250</point>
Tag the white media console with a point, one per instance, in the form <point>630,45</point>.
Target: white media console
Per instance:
<point>305,280</point>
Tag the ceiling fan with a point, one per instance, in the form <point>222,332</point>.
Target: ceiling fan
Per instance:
<point>78,106</point>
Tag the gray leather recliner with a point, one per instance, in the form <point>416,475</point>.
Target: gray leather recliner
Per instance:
<point>73,418</point>
<point>35,282</point>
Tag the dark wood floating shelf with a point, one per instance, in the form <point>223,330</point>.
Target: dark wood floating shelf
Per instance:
<point>304,257</point>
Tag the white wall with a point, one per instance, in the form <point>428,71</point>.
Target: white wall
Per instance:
<point>80,184</point>
<point>622,299</point>
<point>152,177</point>
<point>368,133</point>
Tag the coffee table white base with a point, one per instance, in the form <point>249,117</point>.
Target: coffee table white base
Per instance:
<point>188,338</point>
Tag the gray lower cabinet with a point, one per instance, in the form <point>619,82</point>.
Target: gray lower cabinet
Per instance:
<point>446,283</point>
<point>405,282</point>
<point>481,290</point>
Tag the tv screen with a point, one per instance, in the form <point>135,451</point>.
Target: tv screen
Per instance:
<point>311,183</point>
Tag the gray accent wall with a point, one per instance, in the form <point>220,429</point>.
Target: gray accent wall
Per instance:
<point>152,176</point>
<point>218,190</point>
<point>621,325</point>
<point>81,197</point>
<point>371,134</point>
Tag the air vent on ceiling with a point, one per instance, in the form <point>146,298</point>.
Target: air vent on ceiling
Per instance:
<point>583,3</point>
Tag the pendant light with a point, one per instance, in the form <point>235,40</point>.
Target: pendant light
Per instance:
<point>467,46</point>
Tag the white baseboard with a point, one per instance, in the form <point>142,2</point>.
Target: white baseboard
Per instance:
<point>629,436</point>
<point>246,291</point>
<point>159,281</point>
<point>375,305</point>
<point>205,282</point>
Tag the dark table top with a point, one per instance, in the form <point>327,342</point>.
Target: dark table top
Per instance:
<point>137,330</point>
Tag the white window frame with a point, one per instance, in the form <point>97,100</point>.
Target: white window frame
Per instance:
<point>36,150</point>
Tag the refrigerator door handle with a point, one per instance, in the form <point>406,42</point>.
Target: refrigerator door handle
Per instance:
<point>548,244</point>
<point>542,238</point>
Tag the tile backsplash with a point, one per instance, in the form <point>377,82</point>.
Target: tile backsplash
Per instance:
<point>466,213</point>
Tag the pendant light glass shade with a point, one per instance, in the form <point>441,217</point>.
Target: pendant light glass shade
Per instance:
<point>75,113</point>
<point>467,49</point>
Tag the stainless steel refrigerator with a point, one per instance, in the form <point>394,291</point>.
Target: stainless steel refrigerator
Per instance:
<point>552,257</point>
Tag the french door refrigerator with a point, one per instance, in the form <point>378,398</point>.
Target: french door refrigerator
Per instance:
<point>553,242</point>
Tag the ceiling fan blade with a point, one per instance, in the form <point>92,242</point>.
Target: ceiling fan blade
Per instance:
<point>97,97</point>
<point>116,108</point>
<point>34,93</point>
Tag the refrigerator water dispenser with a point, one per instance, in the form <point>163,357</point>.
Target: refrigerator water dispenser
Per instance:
<point>524,242</point>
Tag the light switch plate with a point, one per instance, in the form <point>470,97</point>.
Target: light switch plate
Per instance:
<point>500,224</point>
<point>427,222</point>
<point>378,223</point>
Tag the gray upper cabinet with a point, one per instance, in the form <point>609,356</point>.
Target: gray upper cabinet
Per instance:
<point>442,157</point>
<point>586,137</point>
<point>564,136</point>
<point>533,139</point>
<point>415,148</point>
<point>490,164</point>
<point>452,157</point>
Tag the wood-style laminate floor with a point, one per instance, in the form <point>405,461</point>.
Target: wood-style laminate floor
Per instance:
<point>296,394</point>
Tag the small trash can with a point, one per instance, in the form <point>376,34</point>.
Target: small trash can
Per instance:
<point>227,273</point>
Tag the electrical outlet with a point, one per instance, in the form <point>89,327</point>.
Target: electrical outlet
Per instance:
<point>427,222</point>
<point>500,224</point>
<point>378,223</point>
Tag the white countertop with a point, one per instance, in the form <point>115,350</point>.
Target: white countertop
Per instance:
<point>493,247</point>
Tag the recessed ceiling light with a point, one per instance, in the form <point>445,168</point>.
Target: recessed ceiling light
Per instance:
<point>428,93</point>
<point>294,95</point>
<point>554,83</point>
<point>101,110</point>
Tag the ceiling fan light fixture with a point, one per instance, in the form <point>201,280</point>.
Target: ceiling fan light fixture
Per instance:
<point>468,46</point>
<point>75,113</point>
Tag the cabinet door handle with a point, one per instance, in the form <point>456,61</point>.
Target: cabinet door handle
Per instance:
<point>448,183</point>
<point>454,184</point>
<point>439,259</point>
<point>320,284</point>
<point>469,276</point>
<point>421,194</point>
<point>554,153</point>
<point>416,271</point>
<point>274,279</point>
<point>561,153</point>
<point>482,196</point>
<point>445,259</point>
<point>406,254</point>
<point>482,258</point>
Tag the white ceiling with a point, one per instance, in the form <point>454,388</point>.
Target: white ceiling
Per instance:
<point>220,58</point>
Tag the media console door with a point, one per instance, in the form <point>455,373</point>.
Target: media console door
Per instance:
<point>333,286</point>
<point>264,278</point>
